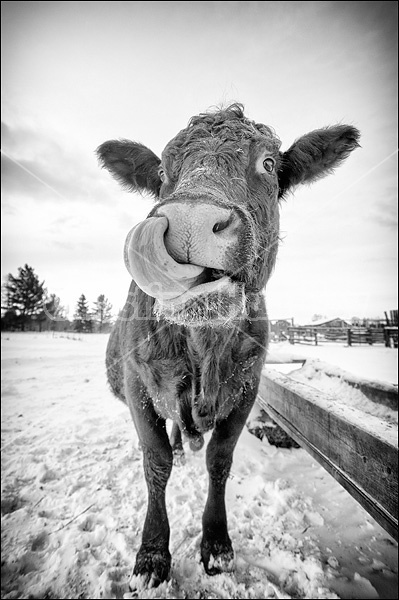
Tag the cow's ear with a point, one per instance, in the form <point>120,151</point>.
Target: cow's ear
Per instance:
<point>315,155</point>
<point>133,165</point>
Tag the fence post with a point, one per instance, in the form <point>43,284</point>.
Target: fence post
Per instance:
<point>349,337</point>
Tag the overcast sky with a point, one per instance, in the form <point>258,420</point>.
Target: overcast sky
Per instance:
<point>75,74</point>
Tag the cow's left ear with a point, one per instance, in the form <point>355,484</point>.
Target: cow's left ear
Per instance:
<point>315,155</point>
<point>133,165</point>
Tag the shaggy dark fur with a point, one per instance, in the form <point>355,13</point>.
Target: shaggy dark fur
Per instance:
<point>206,377</point>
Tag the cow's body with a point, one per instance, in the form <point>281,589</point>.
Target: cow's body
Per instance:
<point>192,338</point>
<point>199,378</point>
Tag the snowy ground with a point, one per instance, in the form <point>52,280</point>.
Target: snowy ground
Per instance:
<point>373,362</point>
<point>74,497</point>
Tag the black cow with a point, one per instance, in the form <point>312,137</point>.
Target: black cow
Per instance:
<point>192,338</point>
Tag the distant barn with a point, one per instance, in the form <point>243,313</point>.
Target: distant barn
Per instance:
<point>336,322</point>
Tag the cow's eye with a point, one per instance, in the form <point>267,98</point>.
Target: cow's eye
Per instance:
<point>161,174</point>
<point>269,164</point>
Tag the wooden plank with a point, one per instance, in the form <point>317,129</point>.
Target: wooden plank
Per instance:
<point>358,450</point>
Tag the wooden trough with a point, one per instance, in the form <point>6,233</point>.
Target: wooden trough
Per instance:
<point>359,450</point>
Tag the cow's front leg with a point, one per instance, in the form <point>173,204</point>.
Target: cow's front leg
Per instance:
<point>216,548</point>
<point>153,558</point>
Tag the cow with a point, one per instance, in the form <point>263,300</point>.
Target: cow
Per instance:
<point>191,340</point>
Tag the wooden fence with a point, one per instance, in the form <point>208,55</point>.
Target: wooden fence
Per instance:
<point>350,336</point>
<point>391,336</point>
<point>360,451</point>
<point>316,335</point>
<point>364,335</point>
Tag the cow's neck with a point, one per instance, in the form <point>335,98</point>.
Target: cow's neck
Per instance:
<point>212,339</point>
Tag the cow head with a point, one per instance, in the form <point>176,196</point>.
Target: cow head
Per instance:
<point>209,245</point>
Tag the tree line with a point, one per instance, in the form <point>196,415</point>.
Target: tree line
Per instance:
<point>28,306</point>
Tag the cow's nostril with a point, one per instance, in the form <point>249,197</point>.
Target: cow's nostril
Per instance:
<point>221,225</point>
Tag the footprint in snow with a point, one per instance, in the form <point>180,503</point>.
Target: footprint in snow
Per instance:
<point>88,524</point>
<point>10,504</point>
<point>39,542</point>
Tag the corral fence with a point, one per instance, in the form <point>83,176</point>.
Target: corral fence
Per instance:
<point>349,336</point>
<point>359,450</point>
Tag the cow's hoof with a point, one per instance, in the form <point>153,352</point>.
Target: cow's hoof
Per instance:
<point>151,569</point>
<point>217,557</point>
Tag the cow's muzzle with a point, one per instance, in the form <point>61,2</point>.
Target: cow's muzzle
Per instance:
<point>180,255</point>
<point>200,233</point>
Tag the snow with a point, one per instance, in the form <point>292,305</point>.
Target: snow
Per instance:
<point>371,362</point>
<point>337,388</point>
<point>74,496</point>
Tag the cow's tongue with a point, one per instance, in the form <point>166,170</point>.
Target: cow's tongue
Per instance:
<point>158,274</point>
<point>152,267</point>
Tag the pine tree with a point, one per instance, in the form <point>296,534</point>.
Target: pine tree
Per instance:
<point>102,312</point>
<point>25,294</point>
<point>82,317</point>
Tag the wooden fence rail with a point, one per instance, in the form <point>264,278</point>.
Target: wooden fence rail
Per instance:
<point>360,451</point>
<point>350,336</point>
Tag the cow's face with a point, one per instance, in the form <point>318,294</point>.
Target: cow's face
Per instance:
<point>210,243</point>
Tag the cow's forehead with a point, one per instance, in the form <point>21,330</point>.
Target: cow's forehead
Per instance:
<point>226,128</point>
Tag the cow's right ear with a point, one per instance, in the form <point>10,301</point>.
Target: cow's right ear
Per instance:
<point>133,165</point>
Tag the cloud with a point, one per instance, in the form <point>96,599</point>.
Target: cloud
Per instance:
<point>19,178</point>
<point>35,165</point>
<point>385,213</point>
